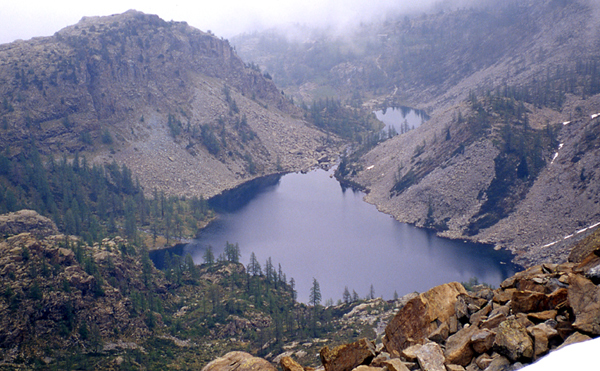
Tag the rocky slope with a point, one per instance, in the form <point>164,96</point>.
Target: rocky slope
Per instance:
<point>495,163</point>
<point>66,304</point>
<point>173,103</point>
<point>539,310</point>
<point>451,180</point>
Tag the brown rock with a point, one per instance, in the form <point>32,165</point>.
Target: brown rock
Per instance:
<point>440,334</point>
<point>417,319</point>
<point>495,318</point>
<point>431,357</point>
<point>584,298</point>
<point>503,296</point>
<point>513,341</point>
<point>453,324</point>
<point>523,320</point>
<point>239,361</point>
<point>542,316</point>
<point>455,368</point>
<point>482,340</point>
<point>410,353</point>
<point>541,334</point>
<point>367,368</point>
<point>380,359</point>
<point>576,337</point>
<point>564,327</point>
<point>480,315</point>
<point>395,364</point>
<point>348,356</point>
<point>458,346</point>
<point>530,301</point>
<point>288,364</point>
<point>483,361</point>
<point>461,307</point>
<point>499,363</point>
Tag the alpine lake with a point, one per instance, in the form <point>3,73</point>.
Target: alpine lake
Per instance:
<point>314,228</point>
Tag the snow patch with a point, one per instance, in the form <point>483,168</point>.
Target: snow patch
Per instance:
<point>566,123</point>
<point>595,115</point>
<point>556,154</point>
<point>579,356</point>
<point>370,167</point>
<point>571,235</point>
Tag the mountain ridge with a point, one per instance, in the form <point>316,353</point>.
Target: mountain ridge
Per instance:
<point>174,104</point>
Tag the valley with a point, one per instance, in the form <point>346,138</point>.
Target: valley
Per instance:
<point>127,133</point>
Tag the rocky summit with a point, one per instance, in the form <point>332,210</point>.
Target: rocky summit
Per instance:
<point>174,104</point>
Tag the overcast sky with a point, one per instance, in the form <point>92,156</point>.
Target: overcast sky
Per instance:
<point>24,19</point>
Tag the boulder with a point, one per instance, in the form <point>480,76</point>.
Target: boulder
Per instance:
<point>239,361</point>
<point>421,315</point>
<point>531,301</point>
<point>348,356</point>
<point>503,296</point>
<point>542,316</point>
<point>458,346</point>
<point>576,337</point>
<point>513,341</point>
<point>288,364</point>
<point>380,359</point>
<point>482,340</point>
<point>395,364</point>
<point>541,334</point>
<point>367,368</point>
<point>481,314</point>
<point>410,353</point>
<point>483,361</point>
<point>496,317</point>
<point>455,368</point>
<point>499,363</point>
<point>440,334</point>
<point>431,357</point>
<point>584,298</point>
<point>461,308</point>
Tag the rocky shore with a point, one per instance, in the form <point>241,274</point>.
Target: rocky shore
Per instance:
<point>449,328</point>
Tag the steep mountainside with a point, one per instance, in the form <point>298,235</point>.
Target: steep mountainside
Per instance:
<point>175,104</point>
<point>432,58</point>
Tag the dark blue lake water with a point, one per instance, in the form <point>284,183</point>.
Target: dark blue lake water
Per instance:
<point>400,119</point>
<point>313,228</point>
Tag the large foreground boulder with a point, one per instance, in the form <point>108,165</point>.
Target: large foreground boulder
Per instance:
<point>421,316</point>
<point>239,361</point>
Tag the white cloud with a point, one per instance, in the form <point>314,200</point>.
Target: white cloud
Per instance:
<point>26,19</point>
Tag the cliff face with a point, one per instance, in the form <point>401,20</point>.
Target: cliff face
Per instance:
<point>174,104</point>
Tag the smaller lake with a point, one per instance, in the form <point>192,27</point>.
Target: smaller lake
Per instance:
<point>314,228</point>
<point>400,119</point>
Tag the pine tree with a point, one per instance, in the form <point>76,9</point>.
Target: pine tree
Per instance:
<point>346,296</point>
<point>254,268</point>
<point>293,287</point>
<point>371,292</point>
<point>232,252</point>
<point>315,293</point>
<point>209,256</point>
